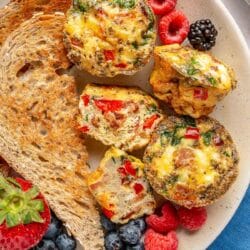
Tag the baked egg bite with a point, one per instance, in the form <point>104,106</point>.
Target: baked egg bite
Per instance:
<point>191,162</point>
<point>191,81</point>
<point>110,37</point>
<point>120,187</point>
<point>121,116</point>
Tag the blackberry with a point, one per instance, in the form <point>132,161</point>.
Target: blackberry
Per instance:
<point>202,34</point>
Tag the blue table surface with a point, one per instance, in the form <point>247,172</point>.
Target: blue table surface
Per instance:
<point>236,235</point>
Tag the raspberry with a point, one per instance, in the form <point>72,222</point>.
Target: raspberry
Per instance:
<point>156,241</point>
<point>173,27</point>
<point>192,219</point>
<point>162,7</point>
<point>165,223</point>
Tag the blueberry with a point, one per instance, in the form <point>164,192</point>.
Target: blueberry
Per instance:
<point>135,247</point>
<point>65,242</point>
<point>130,234</point>
<point>140,223</point>
<point>113,242</point>
<point>55,228</point>
<point>46,245</point>
<point>107,224</point>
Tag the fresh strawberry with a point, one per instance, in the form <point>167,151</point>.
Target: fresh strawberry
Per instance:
<point>162,7</point>
<point>173,27</point>
<point>192,219</point>
<point>166,222</point>
<point>24,214</point>
<point>156,241</point>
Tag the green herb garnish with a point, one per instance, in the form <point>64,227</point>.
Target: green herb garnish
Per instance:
<point>189,121</point>
<point>226,154</point>
<point>191,69</point>
<point>135,44</point>
<point>129,4</point>
<point>207,137</point>
<point>212,80</point>
<point>113,159</point>
<point>152,109</point>
<point>172,179</point>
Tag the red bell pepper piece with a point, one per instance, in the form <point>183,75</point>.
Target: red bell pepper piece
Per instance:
<point>129,168</point>
<point>192,133</point>
<point>121,65</point>
<point>109,105</point>
<point>76,42</point>
<point>138,188</point>
<point>150,121</point>
<point>108,213</point>
<point>109,55</point>
<point>201,93</point>
<point>85,99</point>
<point>218,141</point>
<point>122,171</point>
<point>84,129</point>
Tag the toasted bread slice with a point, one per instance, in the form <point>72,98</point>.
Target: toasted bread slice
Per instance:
<point>39,105</point>
<point>17,11</point>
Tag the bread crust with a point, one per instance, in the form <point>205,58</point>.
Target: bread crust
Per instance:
<point>17,11</point>
<point>37,124</point>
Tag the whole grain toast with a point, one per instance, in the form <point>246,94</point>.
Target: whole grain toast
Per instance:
<point>17,11</point>
<point>38,135</point>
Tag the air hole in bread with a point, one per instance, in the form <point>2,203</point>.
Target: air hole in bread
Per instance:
<point>43,132</point>
<point>60,180</point>
<point>82,204</point>
<point>35,145</point>
<point>62,71</point>
<point>23,70</point>
<point>27,67</point>
<point>34,119</point>
<point>14,109</point>
<point>41,158</point>
<point>32,105</point>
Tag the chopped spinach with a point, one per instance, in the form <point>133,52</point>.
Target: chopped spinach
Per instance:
<point>175,140</point>
<point>113,159</point>
<point>165,135</point>
<point>172,180</point>
<point>226,154</point>
<point>152,109</point>
<point>86,117</point>
<point>207,137</point>
<point>81,5</point>
<point>212,80</point>
<point>147,11</point>
<point>191,68</point>
<point>189,121</point>
<point>135,44</point>
<point>129,4</point>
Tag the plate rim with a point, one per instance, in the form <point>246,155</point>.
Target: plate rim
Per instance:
<point>235,27</point>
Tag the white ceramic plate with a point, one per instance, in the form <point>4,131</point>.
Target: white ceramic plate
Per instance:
<point>233,112</point>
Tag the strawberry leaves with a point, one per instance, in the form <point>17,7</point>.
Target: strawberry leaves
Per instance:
<point>18,206</point>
